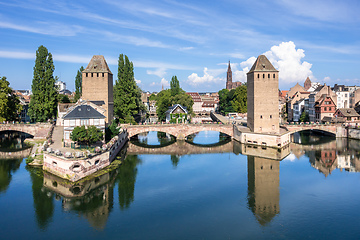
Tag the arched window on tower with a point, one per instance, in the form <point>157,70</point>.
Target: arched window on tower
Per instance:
<point>263,75</point>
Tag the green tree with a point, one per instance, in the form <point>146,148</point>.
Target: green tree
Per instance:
<point>239,100</point>
<point>175,86</point>
<point>234,100</point>
<point>169,97</point>
<point>127,95</point>
<point>43,103</point>
<point>78,84</point>
<point>10,106</point>
<point>64,98</point>
<point>304,117</point>
<point>88,135</point>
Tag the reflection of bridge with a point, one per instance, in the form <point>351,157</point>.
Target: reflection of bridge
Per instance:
<point>313,147</point>
<point>319,127</point>
<point>38,130</point>
<point>180,131</point>
<point>15,155</point>
<point>180,148</point>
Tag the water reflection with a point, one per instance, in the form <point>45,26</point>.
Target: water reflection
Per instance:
<point>208,138</point>
<point>13,141</point>
<point>92,198</point>
<point>263,188</point>
<point>7,169</point>
<point>43,200</point>
<point>153,139</point>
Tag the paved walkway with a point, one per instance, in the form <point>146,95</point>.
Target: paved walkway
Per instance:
<point>57,137</point>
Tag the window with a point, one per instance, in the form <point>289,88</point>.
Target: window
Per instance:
<point>84,122</point>
<point>260,116</point>
<point>258,75</point>
<point>96,121</point>
<point>263,75</point>
<point>72,122</point>
<point>86,74</point>
<point>92,75</point>
<point>103,74</point>
<point>270,116</point>
<point>97,74</point>
<point>325,108</point>
<point>269,75</point>
<point>274,75</point>
<point>67,135</point>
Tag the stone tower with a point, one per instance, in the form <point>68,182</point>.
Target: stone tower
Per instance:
<point>263,188</point>
<point>263,97</point>
<point>307,83</point>
<point>97,85</point>
<point>229,78</point>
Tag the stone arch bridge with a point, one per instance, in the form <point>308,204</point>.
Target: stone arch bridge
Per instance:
<point>180,131</point>
<point>38,130</point>
<point>335,129</point>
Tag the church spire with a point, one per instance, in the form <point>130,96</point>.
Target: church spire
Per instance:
<point>229,78</point>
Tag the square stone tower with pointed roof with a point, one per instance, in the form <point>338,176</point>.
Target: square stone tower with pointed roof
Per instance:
<point>97,86</point>
<point>263,97</point>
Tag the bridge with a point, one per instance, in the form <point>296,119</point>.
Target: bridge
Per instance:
<point>327,128</point>
<point>180,148</point>
<point>180,131</point>
<point>38,130</point>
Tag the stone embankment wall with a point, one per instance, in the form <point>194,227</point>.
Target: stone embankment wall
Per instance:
<point>348,132</point>
<point>75,169</point>
<point>243,135</point>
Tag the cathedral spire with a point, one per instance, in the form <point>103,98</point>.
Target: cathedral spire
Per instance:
<point>229,78</point>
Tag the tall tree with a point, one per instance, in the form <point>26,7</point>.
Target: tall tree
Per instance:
<point>175,86</point>
<point>78,84</point>
<point>43,103</point>
<point>10,107</point>
<point>127,95</point>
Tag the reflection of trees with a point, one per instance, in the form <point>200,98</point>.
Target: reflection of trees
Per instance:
<point>43,200</point>
<point>126,180</point>
<point>7,167</point>
<point>175,160</point>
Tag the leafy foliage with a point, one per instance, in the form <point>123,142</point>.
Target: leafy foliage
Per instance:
<point>175,86</point>
<point>10,106</point>
<point>88,135</point>
<point>64,98</point>
<point>112,130</point>
<point>43,103</point>
<point>165,99</point>
<point>127,95</point>
<point>78,84</point>
<point>234,100</point>
<point>304,117</point>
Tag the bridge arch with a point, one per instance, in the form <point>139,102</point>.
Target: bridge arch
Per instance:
<point>39,130</point>
<point>180,131</point>
<point>330,129</point>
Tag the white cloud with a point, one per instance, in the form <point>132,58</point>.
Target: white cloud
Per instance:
<point>288,60</point>
<point>194,79</point>
<point>165,83</point>
<point>17,55</point>
<point>160,72</point>
<point>138,82</point>
<point>291,157</point>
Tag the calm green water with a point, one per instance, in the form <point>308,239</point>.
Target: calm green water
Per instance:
<point>313,193</point>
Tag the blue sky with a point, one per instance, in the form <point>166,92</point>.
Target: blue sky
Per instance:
<point>191,39</point>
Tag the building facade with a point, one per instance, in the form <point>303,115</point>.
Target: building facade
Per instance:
<point>263,97</point>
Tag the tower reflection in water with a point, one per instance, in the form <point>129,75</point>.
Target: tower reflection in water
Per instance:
<point>263,188</point>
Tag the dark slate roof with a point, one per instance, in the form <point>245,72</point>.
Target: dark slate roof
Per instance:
<point>262,64</point>
<point>83,111</point>
<point>97,64</point>
<point>172,108</point>
<point>98,103</point>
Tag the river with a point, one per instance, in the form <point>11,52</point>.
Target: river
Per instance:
<point>200,189</point>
